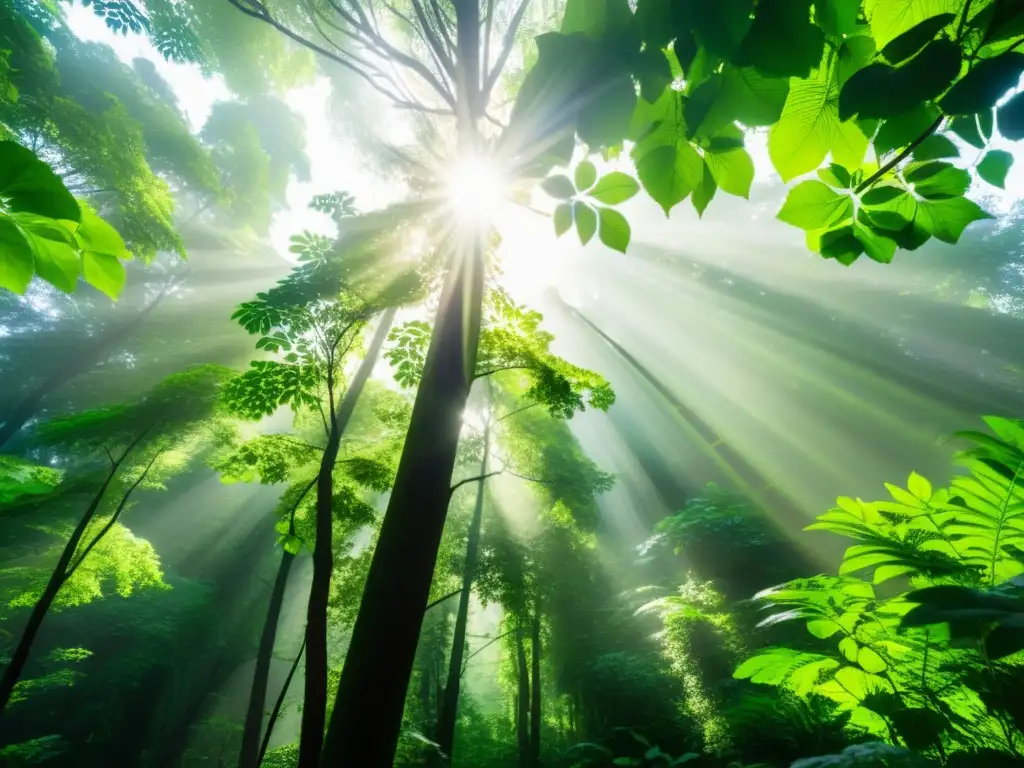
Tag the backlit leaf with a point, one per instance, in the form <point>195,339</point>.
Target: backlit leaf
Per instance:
<point>586,221</point>
<point>994,167</point>
<point>947,219</point>
<point>614,188</point>
<point>558,186</point>
<point>16,262</point>
<point>733,170</point>
<point>585,175</point>
<point>563,218</point>
<point>614,230</point>
<point>814,205</point>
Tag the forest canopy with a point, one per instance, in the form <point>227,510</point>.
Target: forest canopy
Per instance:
<point>320,448</point>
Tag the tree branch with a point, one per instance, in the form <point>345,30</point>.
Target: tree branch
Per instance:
<point>499,370</point>
<point>442,599</point>
<point>900,157</point>
<point>518,410</point>
<point>484,646</point>
<point>506,50</point>
<point>461,483</point>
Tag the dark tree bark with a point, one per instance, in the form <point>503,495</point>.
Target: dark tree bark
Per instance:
<point>279,704</point>
<point>522,702</point>
<point>368,709</point>
<point>314,708</point>
<point>535,719</point>
<point>450,702</point>
<point>73,366</point>
<point>253,727</point>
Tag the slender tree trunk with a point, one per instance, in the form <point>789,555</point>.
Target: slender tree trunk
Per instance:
<point>371,695</point>
<point>450,703</point>
<point>522,702</point>
<point>314,707</point>
<point>535,718</point>
<point>279,704</point>
<point>60,574</point>
<point>257,697</point>
<point>75,365</point>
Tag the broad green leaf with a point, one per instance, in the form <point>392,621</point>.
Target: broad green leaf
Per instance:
<point>614,230</point>
<point>947,219</point>
<point>670,172</point>
<point>919,487</point>
<point>16,262</point>
<point>704,192</point>
<point>937,180</point>
<point>881,193</point>
<point>812,205</point>
<point>849,145</point>
<point>849,648</point>
<point>994,167</point>
<point>614,188</point>
<point>835,176</point>
<point>984,85</point>
<point>891,18</point>
<point>1011,118</point>
<point>782,42</point>
<point>916,38</point>
<point>719,26</point>
<point>935,147</point>
<point>823,628</point>
<point>28,185</point>
<point>55,250</point>
<point>605,115</point>
<point>585,175</point>
<point>838,17</point>
<point>877,245</point>
<point>103,272</point>
<point>901,130</point>
<point>653,71</point>
<point>806,130</point>
<point>881,91</point>
<point>732,170</point>
<point>966,127</point>
<point>558,186</point>
<point>94,234</point>
<point>855,53</point>
<point>586,221</point>
<point>840,244</point>
<point>870,661</point>
<point>748,97</point>
<point>563,218</point>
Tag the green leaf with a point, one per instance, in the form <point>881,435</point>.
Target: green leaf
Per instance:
<point>835,176</point>
<point>748,97</point>
<point>935,147</point>
<point>614,188</point>
<point>28,185</point>
<point>849,145</point>
<point>586,221</point>
<point>840,244</point>
<point>782,41</point>
<point>966,127</point>
<point>614,231</point>
<point>812,205</point>
<point>586,175</point>
<point>653,71</point>
<point>849,648</point>
<point>870,661</point>
<point>806,130</point>
<point>1011,118</point>
<point>877,245</point>
<point>670,172</point>
<point>913,40</point>
<point>94,234</point>
<point>16,263</point>
<point>881,193</point>
<point>823,628</point>
<point>605,115</point>
<point>984,85</point>
<point>704,192</point>
<point>563,218</point>
<point>994,167</point>
<point>732,170</point>
<point>838,17</point>
<point>947,219</point>
<point>901,130</point>
<point>891,18</point>
<point>54,248</point>
<point>936,180</point>
<point>719,26</point>
<point>103,272</point>
<point>881,91</point>
<point>559,186</point>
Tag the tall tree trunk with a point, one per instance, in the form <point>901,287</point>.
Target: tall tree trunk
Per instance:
<point>73,366</point>
<point>522,702</point>
<point>450,703</point>
<point>535,718</point>
<point>314,707</point>
<point>368,709</point>
<point>253,727</point>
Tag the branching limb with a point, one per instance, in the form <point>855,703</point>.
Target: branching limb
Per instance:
<point>461,483</point>
<point>517,410</point>
<point>506,50</point>
<point>900,157</point>
<point>484,646</point>
<point>442,599</point>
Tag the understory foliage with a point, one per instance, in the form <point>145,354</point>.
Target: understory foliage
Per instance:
<point>918,635</point>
